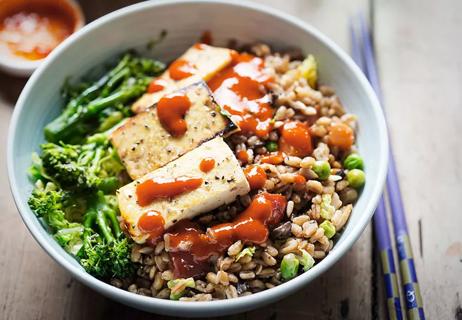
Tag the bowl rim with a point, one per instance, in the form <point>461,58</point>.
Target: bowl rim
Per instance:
<point>217,306</point>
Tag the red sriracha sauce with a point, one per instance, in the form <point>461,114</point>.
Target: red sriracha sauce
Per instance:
<point>171,110</point>
<point>251,226</point>
<point>151,190</point>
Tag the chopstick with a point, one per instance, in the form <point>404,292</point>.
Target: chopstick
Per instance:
<point>411,289</point>
<point>382,232</point>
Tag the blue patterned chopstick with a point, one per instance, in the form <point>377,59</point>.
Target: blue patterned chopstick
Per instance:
<point>382,232</point>
<point>413,298</point>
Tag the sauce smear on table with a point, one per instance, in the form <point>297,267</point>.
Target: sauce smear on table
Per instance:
<point>32,32</point>
<point>154,189</point>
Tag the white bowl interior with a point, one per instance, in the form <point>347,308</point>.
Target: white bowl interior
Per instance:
<point>134,27</point>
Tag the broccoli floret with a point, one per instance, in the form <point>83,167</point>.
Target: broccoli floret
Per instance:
<point>49,203</point>
<point>94,165</point>
<point>106,253</point>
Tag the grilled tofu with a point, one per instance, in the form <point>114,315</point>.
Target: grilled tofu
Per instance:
<point>221,185</point>
<point>206,61</point>
<point>144,145</point>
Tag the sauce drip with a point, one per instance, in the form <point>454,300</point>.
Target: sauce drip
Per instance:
<point>156,85</point>
<point>256,177</point>
<point>273,158</point>
<point>295,139</point>
<point>181,69</point>
<point>251,226</point>
<point>240,90</point>
<point>171,110</point>
<point>151,190</point>
<point>152,222</point>
<point>207,164</point>
<point>34,31</point>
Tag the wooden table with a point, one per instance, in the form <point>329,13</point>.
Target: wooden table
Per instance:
<point>420,61</point>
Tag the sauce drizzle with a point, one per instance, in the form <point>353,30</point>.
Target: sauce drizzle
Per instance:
<point>181,69</point>
<point>295,139</point>
<point>151,190</point>
<point>207,164</point>
<point>251,226</point>
<point>152,222</point>
<point>156,85</point>
<point>241,90</point>
<point>171,110</point>
<point>256,177</point>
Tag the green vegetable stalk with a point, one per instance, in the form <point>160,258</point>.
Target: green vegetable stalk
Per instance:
<point>127,81</point>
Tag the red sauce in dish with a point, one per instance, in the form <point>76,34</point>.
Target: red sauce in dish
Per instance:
<point>295,139</point>
<point>152,223</point>
<point>151,190</point>
<point>240,90</point>
<point>171,110</point>
<point>251,226</point>
<point>33,31</point>
<point>256,177</point>
<point>156,85</point>
<point>181,69</point>
<point>207,164</point>
<point>273,158</point>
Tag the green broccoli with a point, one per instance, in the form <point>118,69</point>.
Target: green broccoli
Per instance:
<point>94,165</point>
<point>83,113</point>
<point>105,252</point>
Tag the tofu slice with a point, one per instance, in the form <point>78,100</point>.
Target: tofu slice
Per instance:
<point>144,145</point>
<point>220,186</point>
<point>207,61</point>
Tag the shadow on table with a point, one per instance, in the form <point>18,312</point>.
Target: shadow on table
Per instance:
<point>11,87</point>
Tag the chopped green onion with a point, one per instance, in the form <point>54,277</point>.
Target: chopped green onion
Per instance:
<point>289,266</point>
<point>249,251</point>
<point>178,287</point>
<point>329,229</point>
<point>306,260</point>
<point>327,209</point>
<point>322,169</point>
<point>356,178</point>
<point>353,161</point>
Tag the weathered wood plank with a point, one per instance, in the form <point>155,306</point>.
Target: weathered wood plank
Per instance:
<point>420,59</point>
<point>34,287</point>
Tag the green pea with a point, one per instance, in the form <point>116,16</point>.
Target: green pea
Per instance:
<point>289,266</point>
<point>322,169</point>
<point>329,229</point>
<point>353,161</point>
<point>271,146</point>
<point>356,178</point>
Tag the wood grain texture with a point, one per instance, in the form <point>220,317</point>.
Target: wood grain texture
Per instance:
<point>34,287</point>
<point>420,59</point>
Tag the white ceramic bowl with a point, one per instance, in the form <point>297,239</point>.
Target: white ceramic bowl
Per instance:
<point>185,20</point>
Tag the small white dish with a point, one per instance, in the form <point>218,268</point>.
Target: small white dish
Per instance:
<point>19,66</point>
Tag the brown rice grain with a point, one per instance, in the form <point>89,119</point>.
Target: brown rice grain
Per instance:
<point>246,275</point>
